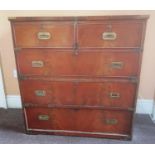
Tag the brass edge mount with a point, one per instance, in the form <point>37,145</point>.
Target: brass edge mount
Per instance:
<point>26,105</point>
<point>130,109</point>
<point>11,18</point>
<point>22,77</point>
<point>17,49</point>
<point>133,79</point>
<point>75,19</point>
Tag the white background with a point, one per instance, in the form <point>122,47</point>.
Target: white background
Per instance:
<point>77,5</point>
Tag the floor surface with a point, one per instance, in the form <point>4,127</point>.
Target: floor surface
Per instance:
<point>12,132</point>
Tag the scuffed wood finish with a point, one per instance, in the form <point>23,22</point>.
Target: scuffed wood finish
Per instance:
<point>79,93</point>
<point>81,120</point>
<point>128,34</point>
<point>26,34</point>
<point>81,78</point>
<point>98,64</point>
<point>80,18</point>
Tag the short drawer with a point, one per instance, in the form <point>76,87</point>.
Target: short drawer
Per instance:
<point>45,62</point>
<point>64,93</point>
<point>110,34</point>
<point>44,34</point>
<point>81,121</point>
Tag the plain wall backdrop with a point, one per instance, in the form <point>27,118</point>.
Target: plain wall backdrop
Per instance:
<point>147,79</point>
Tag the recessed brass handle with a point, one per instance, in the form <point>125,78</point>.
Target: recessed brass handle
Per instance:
<point>38,64</point>
<point>40,92</point>
<point>44,35</point>
<point>111,121</point>
<point>114,95</point>
<point>109,36</point>
<point>117,65</point>
<point>43,117</point>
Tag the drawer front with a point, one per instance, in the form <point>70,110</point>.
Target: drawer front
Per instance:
<point>107,94</point>
<point>86,63</point>
<point>44,34</point>
<point>84,120</point>
<point>110,34</point>
<point>59,93</point>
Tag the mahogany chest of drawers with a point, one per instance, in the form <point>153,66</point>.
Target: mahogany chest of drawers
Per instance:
<point>79,75</point>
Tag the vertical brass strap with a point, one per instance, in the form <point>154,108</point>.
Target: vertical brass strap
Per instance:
<point>76,50</point>
<point>75,88</point>
<point>75,36</point>
<point>75,30</point>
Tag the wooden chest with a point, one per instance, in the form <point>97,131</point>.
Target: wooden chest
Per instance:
<point>79,75</point>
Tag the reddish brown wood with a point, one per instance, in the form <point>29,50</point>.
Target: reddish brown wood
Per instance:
<point>129,34</point>
<point>82,120</point>
<point>56,93</point>
<point>62,34</point>
<point>66,63</point>
<point>76,76</point>
<point>81,93</point>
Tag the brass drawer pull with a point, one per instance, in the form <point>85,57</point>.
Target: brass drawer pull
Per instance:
<point>109,36</point>
<point>38,64</point>
<point>43,117</point>
<point>114,95</point>
<point>40,92</point>
<point>44,35</point>
<point>117,65</point>
<point>111,121</point>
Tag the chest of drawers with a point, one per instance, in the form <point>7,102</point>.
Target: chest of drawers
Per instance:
<point>79,75</point>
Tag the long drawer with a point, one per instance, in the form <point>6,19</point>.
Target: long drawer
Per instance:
<point>83,121</point>
<point>62,93</point>
<point>44,34</point>
<point>46,62</point>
